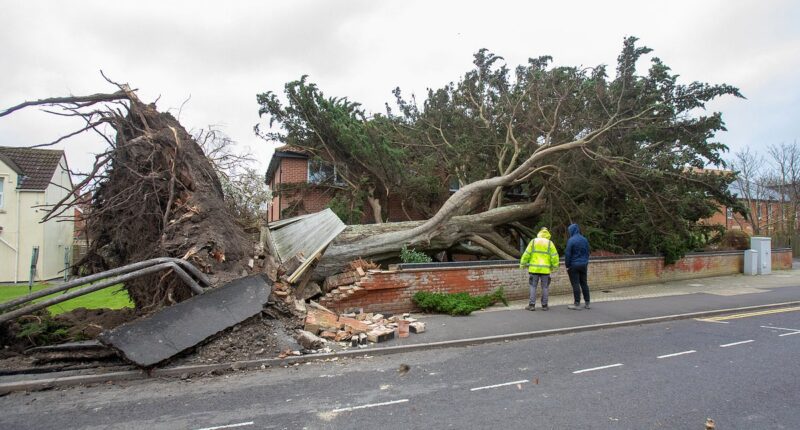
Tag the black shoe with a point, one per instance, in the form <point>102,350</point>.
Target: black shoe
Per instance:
<point>545,308</point>
<point>574,307</point>
<point>586,306</point>
<point>531,308</point>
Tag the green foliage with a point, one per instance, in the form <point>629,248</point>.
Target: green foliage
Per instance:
<point>636,186</point>
<point>43,331</point>
<point>457,303</point>
<point>348,209</point>
<point>412,256</point>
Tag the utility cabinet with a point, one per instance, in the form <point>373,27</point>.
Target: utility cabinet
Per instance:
<point>763,246</point>
<point>750,262</point>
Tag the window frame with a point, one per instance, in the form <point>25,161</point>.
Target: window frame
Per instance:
<point>332,177</point>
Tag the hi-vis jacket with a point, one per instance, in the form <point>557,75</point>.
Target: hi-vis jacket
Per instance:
<point>541,255</point>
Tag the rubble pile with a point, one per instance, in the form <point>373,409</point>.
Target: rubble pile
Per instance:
<point>357,328</point>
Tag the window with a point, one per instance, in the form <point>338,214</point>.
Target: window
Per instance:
<point>2,182</point>
<point>321,172</point>
<point>454,184</point>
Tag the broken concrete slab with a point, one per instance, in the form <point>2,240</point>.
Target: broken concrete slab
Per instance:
<point>151,340</point>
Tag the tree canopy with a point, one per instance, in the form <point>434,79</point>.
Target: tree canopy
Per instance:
<point>622,156</point>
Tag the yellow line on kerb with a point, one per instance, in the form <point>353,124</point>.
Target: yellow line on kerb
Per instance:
<point>750,314</point>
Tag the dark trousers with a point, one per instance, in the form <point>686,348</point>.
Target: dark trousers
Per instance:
<point>577,277</point>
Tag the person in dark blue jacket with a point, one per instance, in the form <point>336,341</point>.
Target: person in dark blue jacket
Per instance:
<point>576,260</point>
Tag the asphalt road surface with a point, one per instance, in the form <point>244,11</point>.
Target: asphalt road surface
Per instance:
<point>741,370</point>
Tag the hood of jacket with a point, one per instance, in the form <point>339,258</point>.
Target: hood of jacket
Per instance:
<point>573,229</point>
<point>544,233</point>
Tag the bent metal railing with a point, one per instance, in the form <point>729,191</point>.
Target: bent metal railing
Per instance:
<point>106,279</point>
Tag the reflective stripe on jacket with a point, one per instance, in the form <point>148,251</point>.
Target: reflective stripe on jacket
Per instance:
<point>541,256</point>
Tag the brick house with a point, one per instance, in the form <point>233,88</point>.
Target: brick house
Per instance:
<point>766,207</point>
<point>301,184</point>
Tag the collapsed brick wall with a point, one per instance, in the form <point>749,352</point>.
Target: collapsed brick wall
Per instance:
<point>391,291</point>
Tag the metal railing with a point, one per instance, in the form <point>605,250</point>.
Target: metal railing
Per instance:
<point>188,273</point>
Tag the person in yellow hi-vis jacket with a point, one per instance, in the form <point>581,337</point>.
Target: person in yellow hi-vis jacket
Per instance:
<point>541,258</point>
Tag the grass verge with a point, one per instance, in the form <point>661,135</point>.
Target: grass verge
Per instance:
<point>114,297</point>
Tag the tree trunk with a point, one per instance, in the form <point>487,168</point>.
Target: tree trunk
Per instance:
<point>377,210</point>
<point>355,242</point>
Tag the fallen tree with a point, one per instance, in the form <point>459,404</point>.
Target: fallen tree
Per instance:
<point>151,193</point>
<point>623,156</point>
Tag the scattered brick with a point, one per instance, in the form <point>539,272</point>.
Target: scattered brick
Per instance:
<point>417,327</point>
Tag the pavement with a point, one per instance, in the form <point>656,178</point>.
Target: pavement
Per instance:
<point>627,306</point>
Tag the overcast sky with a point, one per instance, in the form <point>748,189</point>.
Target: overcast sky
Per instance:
<point>219,55</point>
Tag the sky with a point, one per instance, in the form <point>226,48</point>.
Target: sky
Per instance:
<point>205,61</point>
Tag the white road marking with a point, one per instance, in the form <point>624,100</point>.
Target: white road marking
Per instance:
<point>735,343</point>
<point>789,334</point>
<point>598,368</point>
<point>352,408</point>
<point>676,354</point>
<point>781,328</point>
<point>229,426</point>
<point>711,321</point>
<point>500,385</point>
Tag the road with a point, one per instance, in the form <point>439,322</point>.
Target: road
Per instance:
<point>741,370</point>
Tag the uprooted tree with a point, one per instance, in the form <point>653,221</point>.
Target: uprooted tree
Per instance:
<point>152,193</point>
<point>622,156</point>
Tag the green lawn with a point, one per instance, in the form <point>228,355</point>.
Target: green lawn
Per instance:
<point>113,297</point>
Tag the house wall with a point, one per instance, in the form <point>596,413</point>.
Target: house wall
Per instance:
<point>8,223</point>
<point>22,229</point>
<point>770,221</point>
<point>391,291</point>
<point>295,171</point>
<point>57,235</point>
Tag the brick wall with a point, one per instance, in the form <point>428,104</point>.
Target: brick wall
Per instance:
<point>391,291</point>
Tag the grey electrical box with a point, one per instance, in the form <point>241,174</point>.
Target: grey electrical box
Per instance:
<point>751,262</point>
<point>763,246</point>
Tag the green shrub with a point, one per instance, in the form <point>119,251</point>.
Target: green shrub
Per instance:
<point>411,256</point>
<point>457,303</point>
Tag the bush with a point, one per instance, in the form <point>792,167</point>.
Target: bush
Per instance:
<point>411,256</point>
<point>457,303</point>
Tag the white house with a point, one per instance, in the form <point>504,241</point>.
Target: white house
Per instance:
<point>30,179</point>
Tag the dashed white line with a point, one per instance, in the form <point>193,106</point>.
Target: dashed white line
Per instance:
<point>598,368</point>
<point>499,385</point>
<point>229,426</point>
<point>677,354</point>
<point>793,330</point>
<point>372,405</point>
<point>779,328</point>
<point>735,343</point>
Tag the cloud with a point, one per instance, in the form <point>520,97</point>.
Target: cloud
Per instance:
<point>220,55</point>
